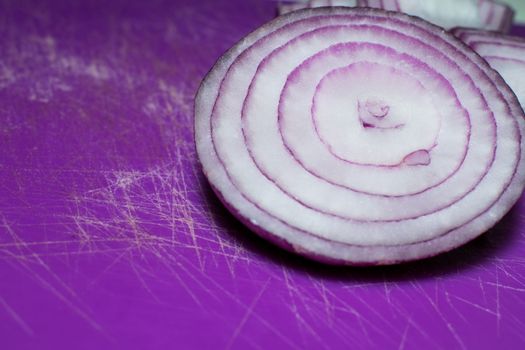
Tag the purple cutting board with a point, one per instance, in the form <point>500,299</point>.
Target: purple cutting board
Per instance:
<point>110,237</point>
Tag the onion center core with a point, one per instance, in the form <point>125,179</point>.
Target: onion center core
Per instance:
<point>400,128</point>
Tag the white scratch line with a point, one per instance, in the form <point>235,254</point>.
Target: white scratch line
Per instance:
<point>404,337</point>
<point>16,317</point>
<point>477,306</point>
<point>246,316</point>
<point>447,323</point>
<point>387,291</point>
<point>453,307</point>
<point>498,313</point>
<point>482,289</point>
<point>47,284</point>
<point>502,286</point>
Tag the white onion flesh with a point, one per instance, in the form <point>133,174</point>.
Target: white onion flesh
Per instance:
<point>359,136</point>
<point>504,53</point>
<point>485,14</point>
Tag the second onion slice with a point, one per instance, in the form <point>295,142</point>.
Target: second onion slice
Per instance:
<point>504,53</point>
<point>359,136</point>
<point>486,14</point>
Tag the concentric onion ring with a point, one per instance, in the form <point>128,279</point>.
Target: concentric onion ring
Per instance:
<point>359,136</point>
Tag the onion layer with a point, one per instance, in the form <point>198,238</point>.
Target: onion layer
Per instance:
<point>485,14</point>
<point>358,136</point>
<point>504,53</point>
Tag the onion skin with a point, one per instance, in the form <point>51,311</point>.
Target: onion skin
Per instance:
<point>493,16</point>
<point>228,132</point>
<point>504,53</point>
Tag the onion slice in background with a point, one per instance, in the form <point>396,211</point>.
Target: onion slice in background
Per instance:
<point>485,14</point>
<point>359,136</point>
<point>504,53</point>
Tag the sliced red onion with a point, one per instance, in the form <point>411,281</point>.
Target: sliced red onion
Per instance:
<point>485,14</point>
<point>504,53</point>
<point>358,136</point>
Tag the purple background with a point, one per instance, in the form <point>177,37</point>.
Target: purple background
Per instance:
<point>110,236</point>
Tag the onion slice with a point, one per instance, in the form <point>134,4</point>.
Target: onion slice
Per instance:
<point>504,53</point>
<point>485,14</point>
<point>359,136</point>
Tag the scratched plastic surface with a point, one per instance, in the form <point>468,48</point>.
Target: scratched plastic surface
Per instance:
<point>111,238</point>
